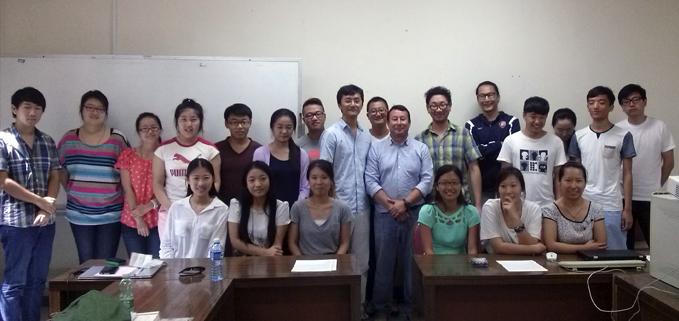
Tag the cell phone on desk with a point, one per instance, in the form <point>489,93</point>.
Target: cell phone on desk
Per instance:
<point>109,270</point>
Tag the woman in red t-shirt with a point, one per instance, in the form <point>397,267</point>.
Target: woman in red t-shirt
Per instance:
<point>140,211</point>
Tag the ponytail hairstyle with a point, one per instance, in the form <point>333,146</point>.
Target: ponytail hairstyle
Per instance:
<point>295,152</point>
<point>186,104</point>
<point>201,163</point>
<point>270,205</point>
<point>326,167</point>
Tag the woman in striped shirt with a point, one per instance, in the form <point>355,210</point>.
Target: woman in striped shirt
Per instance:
<point>92,184</point>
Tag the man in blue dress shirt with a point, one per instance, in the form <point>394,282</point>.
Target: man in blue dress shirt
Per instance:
<point>398,175</point>
<point>345,144</point>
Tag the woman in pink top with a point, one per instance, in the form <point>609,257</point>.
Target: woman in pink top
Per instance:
<point>140,212</point>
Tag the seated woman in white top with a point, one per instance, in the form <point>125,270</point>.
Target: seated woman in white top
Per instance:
<point>573,223</point>
<point>193,222</point>
<point>258,221</point>
<point>320,224</point>
<point>511,225</point>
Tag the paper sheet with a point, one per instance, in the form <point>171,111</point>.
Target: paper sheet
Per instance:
<point>315,265</point>
<point>521,266</point>
<point>119,274</point>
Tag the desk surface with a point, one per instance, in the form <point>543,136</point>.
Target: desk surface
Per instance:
<point>655,305</point>
<point>451,286</point>
<point>195,297</point>
<point>256,281</point>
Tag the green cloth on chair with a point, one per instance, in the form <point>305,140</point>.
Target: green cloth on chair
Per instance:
<point>94,306</point>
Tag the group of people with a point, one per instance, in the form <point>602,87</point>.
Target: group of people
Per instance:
<point>487,186</point>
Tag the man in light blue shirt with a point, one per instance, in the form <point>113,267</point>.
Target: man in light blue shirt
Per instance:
<point>398,175</point>
<point>345,144</point>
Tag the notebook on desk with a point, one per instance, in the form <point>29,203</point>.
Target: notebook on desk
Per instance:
<point>136,273</point>
<point>610,255</point>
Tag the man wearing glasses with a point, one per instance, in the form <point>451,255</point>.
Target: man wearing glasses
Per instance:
<point>655,156</point>
<point>451,144</point>
<point>377,115</point>
<point>489,130</point>
<point>314,119</point>
<point>236,152</point>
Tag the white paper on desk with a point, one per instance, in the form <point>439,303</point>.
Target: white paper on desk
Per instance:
<point>119,274</point>
<point>315,265</point>
<point>521,266</point>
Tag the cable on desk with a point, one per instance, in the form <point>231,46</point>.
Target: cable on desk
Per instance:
<point>636,298</point>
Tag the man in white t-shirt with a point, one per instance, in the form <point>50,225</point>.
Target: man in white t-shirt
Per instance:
<point>606,151</point>
<point>377,115</point>
<point>655,156</point>
<point>536,153</point>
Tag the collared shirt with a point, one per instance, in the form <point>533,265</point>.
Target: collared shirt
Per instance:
<point>456,147</point>
<point>30,168</point>
<point>398,169</point>
<point>189,234</point>
<point>348,154</point>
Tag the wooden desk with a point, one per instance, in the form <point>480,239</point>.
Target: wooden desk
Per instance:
<point>653,305</point>
<point>450,286</point>
<point>195,297</point>
<point>263,287</point>
<point>66,286</point>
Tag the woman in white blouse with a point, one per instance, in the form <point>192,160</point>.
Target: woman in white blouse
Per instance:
<point>510,224</point>
<point>258,221</point>
<point>193,222</point>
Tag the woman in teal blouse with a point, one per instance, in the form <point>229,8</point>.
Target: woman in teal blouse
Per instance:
<point>449,225</point>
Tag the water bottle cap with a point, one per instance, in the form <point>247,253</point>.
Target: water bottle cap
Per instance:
<point>216,240</point>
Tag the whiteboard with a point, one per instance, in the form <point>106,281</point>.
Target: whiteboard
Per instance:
<point>157,84</point>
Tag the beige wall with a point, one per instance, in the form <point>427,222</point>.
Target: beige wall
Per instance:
<point>393,48</point>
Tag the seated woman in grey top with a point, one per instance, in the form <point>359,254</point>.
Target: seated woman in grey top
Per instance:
<point>573,223</point>
<point>319,224</point>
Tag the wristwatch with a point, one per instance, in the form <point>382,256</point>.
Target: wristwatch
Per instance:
<point>406,203</point>
<point>156,205</point>
<point>519,229</point>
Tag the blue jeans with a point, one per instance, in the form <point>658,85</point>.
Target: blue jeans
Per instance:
<point>96,241</point>
<point>392,237</point>
<point>28,252</point>
<point>616,237</point>
<point>141,244</point>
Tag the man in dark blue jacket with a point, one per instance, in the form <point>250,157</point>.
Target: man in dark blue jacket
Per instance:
<point>489,129</point>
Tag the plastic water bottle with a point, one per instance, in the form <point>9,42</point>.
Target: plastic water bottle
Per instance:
<point>216,270</point>
<point>126,295</point>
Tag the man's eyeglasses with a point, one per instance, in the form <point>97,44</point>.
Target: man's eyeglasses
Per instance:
<point>377,111</point>
<point>635,100</point>
<point>191,271</point>
<point>318,114</point>
<point>442,106</point>
<point>244,123</point>
<point>488,95</point>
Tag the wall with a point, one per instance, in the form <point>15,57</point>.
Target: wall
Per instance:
<point>395,49</point>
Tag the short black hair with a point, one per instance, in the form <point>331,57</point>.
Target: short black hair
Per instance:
<point>564,113</point>
<point>376,99</point>
<point>349,90</point>
<point>488,82</point>
<point>93,94</point>
<point>504,173</point>
<point>28,94</point>
<point>439,90</point>
<point>313,101</point>
<point>602,90</point>
<point>576,165</point>
<point>401,108</point>
<point>630,89</point>
<point>238,110</point>
<point>536,105</point>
